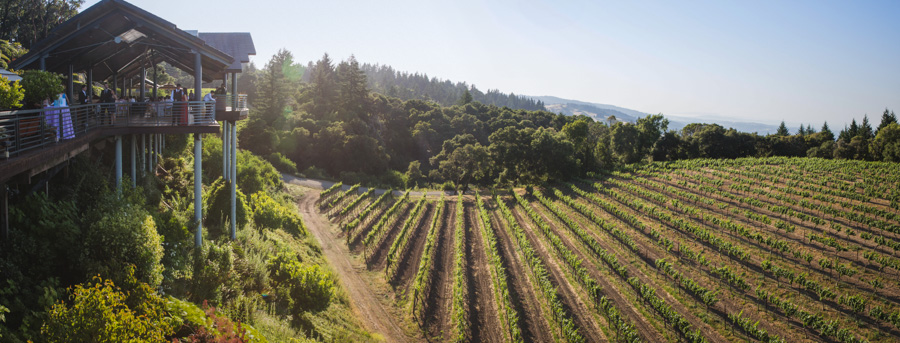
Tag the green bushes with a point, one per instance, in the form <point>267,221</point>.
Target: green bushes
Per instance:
<point>268,213</point>
<point>122,237</point>
<point>282,163</point>
<point>309,288</point>
<point>40,85</point>
<point>102,312</point>
<point>218,208</point>
<point>213,278</point>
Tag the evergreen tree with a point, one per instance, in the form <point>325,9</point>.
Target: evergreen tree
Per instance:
<point>802,130</point>
<point>865,130</point>
<point>354,93</point>
<point>887,118</point>
<point>826,132</point>
<point>465,98</point>
<point>275,92</point>
<point>853,130</point>
<point>324,89</point>
<point>782,130</point>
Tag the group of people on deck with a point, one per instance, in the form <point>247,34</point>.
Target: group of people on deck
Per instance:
<point>109,103</point>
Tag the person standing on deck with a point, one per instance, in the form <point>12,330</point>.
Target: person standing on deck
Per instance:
<point>107,97</point>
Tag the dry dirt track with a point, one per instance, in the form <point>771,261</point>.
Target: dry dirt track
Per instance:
<point>363,301</point>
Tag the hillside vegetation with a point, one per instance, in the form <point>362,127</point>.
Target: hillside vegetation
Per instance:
<point>335,125</point>
<point>769,250</point>
<point>85,263</point>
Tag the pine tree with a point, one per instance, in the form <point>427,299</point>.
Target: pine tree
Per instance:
<point>354,94</point>
<point>827,134</point>
<point>782,130</point>
<point>802,130</point>
<point>324,89</point>
<point>865,130</point>
<point>887,118</point>
<point>854,129</point>
<point>465,98</point>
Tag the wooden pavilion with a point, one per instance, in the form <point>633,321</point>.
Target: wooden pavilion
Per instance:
<point>115,41</point>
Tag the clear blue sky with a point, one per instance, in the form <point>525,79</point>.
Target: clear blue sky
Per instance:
<point>762,61</point>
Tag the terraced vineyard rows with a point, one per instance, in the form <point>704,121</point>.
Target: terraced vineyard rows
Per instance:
<point>767,250</point>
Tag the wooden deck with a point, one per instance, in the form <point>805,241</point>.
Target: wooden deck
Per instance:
<point>36,146</point>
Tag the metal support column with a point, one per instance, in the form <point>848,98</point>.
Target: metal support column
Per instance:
<point>198,76</point>
<point>150,167</point>
<point>234,98</point>
<point>233,174</point>
<point>90,82</point>
<point>43,64</point>
<point>70,86</point>
<point>143,154</point>
<point>155,82</point>
<point>119,163</point>
<point>115,87</point>
<point>133,160</point>
<point>4,211</point>
<point>143,92</point>
<point>225,149</point>
<point>198,194</point>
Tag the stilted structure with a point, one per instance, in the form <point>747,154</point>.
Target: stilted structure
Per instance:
<point>114,40</point>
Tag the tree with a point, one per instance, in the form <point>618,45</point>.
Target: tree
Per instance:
<point>276,87</point>
<point>887,118</point>
<point>886,146</point>
<point>465,98</point>
<point>354,94</point>
<point>39,86</point>
<point>10,51</point>
<point>624,139</point>
<point>782,130</point>
<point>11,94</point>
<point>324,88</point>
<point>413,174</point>
<point>826,132</point>
<point>29,21</point>
<point>651,129</point>
<point>462,160</point>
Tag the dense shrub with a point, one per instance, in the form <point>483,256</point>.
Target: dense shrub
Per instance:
<point>124,236</point>
<point>308,287</point>
<point>218,208</point>
<point>268,213</point>
<point>255,174</point>
<point>102,312</point>
<point>282,163</point>
<point>11,94</point>
<point>213,277</point>
<point>40,85</point>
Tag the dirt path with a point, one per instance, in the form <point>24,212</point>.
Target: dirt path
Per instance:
<point>523,294</point>
<point>362,300</point>
<point>484,324</point>
<point>437,308</point>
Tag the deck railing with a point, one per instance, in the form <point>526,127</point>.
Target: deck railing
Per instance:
<point>236,102</point>
<point>24,131</point>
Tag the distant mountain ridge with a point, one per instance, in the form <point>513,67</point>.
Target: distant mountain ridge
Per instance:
<point>601,112</point>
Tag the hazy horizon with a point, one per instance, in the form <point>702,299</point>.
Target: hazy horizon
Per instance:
<point>801,62</point>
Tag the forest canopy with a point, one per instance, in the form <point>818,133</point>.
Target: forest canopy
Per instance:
<point>369,123</point>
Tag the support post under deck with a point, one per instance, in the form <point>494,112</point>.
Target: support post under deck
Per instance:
<point>198,194</point>
<point>133,160</point>
<point>226,133</point>
<point>4,211</point>
<point>119,163</point>
<point>233,142</point>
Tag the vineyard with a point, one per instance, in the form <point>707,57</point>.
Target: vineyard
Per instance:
<point>769,250</point>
